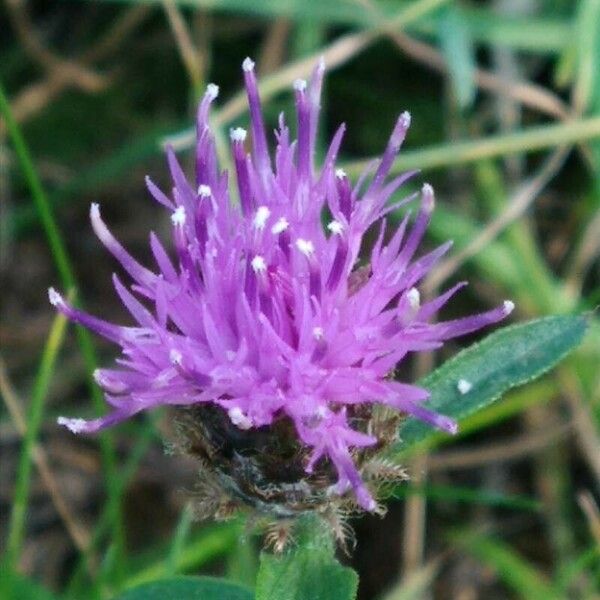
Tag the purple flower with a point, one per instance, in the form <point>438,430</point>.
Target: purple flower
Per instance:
<point>266,313</point>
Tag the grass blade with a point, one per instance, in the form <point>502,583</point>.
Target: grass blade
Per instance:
<point>456,153</point>
<point>35,418</point>
<point>511,568</point>
<point>65,270</point>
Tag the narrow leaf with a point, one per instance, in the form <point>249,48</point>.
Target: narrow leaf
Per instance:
<point>505,359</point>
<point>459,52</point>
<point>447,493</point>
<point>517,574</point>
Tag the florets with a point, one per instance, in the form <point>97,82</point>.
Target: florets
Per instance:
<point>264,326</point>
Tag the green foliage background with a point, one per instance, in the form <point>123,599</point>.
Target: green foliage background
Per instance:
<point>505,99</point>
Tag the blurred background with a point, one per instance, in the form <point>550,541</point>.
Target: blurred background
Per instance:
<point>505,100</point>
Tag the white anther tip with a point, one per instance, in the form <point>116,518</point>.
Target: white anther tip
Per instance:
<point>175,357</point>
<point>248,64</point>
<point>340,173</point>
<point>371,505</point>
<point>55,298</point>
<point>280,226</point>
<point>317,333</point>
<point>74,425</point>
<point>212,91</point>
<point>238,134</point>
<point>464,386</point>
<point>178,216</point>
<point>238,418</point>
<point>414,298</point>
<point>258,264</point>
<point>204,191</point>
<point>335,227</point>
<point>262,215</point>
<point>428,197</point>
<point>451,426</point>
<point>305,246</point>
<point>405,119</point>
<point>300,85</point>
<point>508,306</point>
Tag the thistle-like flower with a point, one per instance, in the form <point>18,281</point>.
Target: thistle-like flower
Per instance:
<point>267,327</point>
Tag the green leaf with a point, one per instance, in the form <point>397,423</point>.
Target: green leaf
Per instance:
<point>188,588</point>
<point>14,586</point>
<point>308,570</point>
<point>505,359</point>
<point>210,543</point>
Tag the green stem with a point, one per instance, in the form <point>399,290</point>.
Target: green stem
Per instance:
<point>455,153</point>
<point>35,414</point>
<point>66,273</point>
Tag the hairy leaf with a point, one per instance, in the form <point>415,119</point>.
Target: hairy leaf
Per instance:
<point>503,360</point>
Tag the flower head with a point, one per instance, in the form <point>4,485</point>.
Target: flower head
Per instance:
<point>265,321</point>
